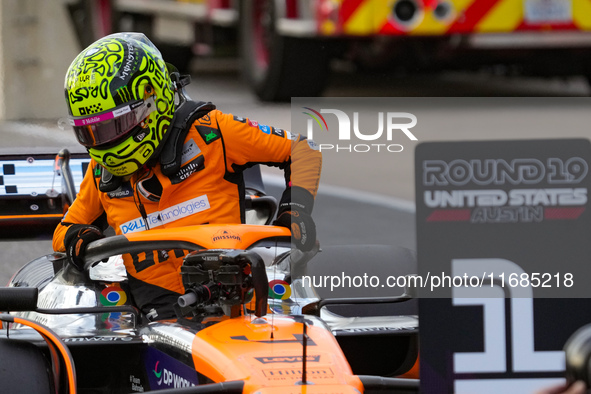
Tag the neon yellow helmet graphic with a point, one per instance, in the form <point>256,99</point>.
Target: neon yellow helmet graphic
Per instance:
<point>120,101</point>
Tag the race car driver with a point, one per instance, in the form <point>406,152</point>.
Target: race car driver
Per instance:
<point>152,169</point>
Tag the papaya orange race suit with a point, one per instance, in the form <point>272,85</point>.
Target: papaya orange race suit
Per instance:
<point>207,189</point>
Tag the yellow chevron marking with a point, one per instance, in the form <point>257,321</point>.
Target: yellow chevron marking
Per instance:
<point>462,5</point>
<point>360,23</point>
<point>505,16</point>
<point>368,18</point>
<point>383,11</point>
<point>582,14</point>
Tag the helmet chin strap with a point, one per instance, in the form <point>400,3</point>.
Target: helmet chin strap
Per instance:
<point>178,84</point>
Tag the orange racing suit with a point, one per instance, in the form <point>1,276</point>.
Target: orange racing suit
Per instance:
<point>208,188</point>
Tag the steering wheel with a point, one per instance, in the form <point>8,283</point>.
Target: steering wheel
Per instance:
<point>119,244</point>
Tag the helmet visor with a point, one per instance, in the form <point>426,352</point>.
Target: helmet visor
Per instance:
<point>106,127</point>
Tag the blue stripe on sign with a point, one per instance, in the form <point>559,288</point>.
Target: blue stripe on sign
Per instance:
<point>17,166</point>
<point>24,178</point>
<point>30,180</point>
<point>31,170</point>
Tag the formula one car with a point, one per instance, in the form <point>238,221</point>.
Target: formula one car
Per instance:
<point>248,322</point>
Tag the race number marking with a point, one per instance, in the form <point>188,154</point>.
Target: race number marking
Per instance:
<point>524,358</point>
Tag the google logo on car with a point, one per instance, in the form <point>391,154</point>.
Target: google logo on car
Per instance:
<point>279,289</point>
<point>113,296</point>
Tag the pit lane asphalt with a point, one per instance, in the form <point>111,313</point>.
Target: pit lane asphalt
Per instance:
<point>357,205</point>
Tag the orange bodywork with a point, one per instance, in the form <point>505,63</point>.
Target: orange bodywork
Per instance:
<point>267,354</point>
<point>32,217</point>
<point>412,373</point>
<point>213,236</point>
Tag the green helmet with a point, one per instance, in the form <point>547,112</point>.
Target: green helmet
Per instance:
<point>120,100</point>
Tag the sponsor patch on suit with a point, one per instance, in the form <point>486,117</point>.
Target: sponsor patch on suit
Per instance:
<point>208,134</point>
<point>192,161</point>
<point>206,120</point>
<point>188,169</point>
<point>125,190</point>
<point>278,132</point>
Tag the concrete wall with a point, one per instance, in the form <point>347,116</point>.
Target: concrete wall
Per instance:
<point>37,45</point>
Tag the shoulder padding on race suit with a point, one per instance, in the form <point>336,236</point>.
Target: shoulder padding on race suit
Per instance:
<point>186,114</point>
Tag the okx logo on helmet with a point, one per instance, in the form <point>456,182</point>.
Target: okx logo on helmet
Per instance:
<point>120,101</point>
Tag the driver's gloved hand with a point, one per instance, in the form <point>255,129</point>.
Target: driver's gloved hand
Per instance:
<point>77,239</point>
<point>303,228</point>
<point>294,212</point>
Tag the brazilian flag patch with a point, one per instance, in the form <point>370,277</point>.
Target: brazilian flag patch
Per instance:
<point>208,134</point>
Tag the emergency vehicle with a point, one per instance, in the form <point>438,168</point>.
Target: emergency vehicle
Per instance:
<point>287,46</point>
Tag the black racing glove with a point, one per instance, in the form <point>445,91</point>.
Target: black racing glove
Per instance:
<point>294,212</point>
<point>77,239</point>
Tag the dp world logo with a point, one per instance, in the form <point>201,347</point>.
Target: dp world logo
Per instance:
<point>164,371</point>
<point>170,378</point>
<point>390,125</point>
<point>158,374</point>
